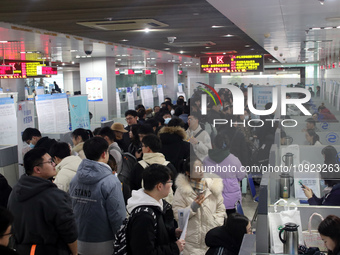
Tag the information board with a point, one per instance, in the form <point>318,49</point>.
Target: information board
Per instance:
<point>52,112</point>
<point>231,63</point>
<point>26,69</point>
<point>8,122</point>
<point>94,88</point>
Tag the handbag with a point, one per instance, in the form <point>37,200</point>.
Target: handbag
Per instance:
<point>277,221</point>
<point>311,237</point>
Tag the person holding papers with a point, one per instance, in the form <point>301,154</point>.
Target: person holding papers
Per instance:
<point>203,197</point>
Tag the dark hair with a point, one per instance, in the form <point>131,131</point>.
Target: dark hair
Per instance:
<point>6,220</point>
<point>33,158</point>
<point>156,106</point>
<point>96,131</point>
<point>112,163</point>
<point>163,111</point>
<point>167,98</point>
<point>145,129</point>
<point>153,142</point>
<point>29,133</point>
<point>140,106</point>
<point>153,122</point>
<point>131,112</point>
<point>155,174</point>
<point>236,226</point>
<point>187,165</point>
<point>134,129</point>
<point>330,227</point>
<point>94,148</point>
<point>107,131</point>
<point>179,110</point>
<point>180,101</point>
<point>85,134</point>
<point>268,105</point>
<point>312,133</point>
<point>140,113</point>
<point>60,150</point>
<point>221,141</point>
<point>331,159</point>
<point>176,122</point>
<point>322,106</point>
<point>196,115</point>
<point>311,120</point>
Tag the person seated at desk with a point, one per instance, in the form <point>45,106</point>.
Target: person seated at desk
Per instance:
<point>329,230</point>
<point>312,138</point>
<point>227,239</point>
<point>331,179</point>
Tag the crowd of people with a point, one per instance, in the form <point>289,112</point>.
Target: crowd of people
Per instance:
<point>74,200</point>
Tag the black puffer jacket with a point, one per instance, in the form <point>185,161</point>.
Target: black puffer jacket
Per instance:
<point>174,146</point>
<point>218,239</point>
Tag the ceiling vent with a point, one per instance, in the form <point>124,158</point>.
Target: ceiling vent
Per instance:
<point>191,44</point>
<point>120,25</point>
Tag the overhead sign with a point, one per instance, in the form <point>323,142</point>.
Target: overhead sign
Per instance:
<point>6,70</point>
<point>26,69</point>
<point>44,70</point>
<point>231,64</point>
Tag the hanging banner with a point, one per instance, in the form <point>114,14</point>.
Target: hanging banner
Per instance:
<point>94,88</point>
<point>79,112</point>
<point>160,94</point>
<point>147,96</point>
<point>130,98</point>
<point>52,112</point>
<point>8,122</point>
<point>118,104</point>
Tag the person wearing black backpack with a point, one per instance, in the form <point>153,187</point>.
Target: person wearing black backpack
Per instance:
<point>149,231</point>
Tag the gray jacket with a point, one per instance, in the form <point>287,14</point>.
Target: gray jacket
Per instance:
<point>98,204</point>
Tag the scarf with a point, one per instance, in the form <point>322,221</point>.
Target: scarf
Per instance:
<point>197,186</point>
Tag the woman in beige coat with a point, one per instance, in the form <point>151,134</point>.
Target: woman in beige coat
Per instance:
<point>79,136</point>
<point>202,195</point>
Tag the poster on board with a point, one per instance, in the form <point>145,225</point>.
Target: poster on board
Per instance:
<point>160,94</point>
<point>8,122</point>
<point>94,88</point>
<point>147,96</point>
<point>79,112</point>
<point>52,112</point>
<point>130,98</point>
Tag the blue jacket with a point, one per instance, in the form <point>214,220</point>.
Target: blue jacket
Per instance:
<point>97,202</point>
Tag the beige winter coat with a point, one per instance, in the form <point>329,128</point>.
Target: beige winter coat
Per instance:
<point>79,150</point>
<point>66,170</point>
<point>210,214</point>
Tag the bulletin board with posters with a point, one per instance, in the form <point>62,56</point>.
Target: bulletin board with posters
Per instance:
<point>94,88</point>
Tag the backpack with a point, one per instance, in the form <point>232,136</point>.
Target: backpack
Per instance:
<point>120,243</point>
<point>128,163</point>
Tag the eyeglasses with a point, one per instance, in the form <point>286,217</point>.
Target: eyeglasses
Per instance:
<point>47,162</point>
<point>171,182</point>
<point>130,118</point>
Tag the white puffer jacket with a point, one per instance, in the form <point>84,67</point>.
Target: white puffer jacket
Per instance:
<point>209,215</point>
<point>66,170</point>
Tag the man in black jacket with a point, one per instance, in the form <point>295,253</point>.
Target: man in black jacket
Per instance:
<point>149,231</point>
<point>43,217</point>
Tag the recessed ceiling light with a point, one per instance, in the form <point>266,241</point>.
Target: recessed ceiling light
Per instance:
<point>207,47</point>
<point>166,48</point>
<point>181,52</point>
<point>78,56</point>
<point>73,50</point>
<point>124,40</point>
<point>72,62</point>
<point>247,45</point>
<point>322,2</point>
<point>252,49</point>
<point>217,26</point>
<point>316,28</point>
<point>228,35</point>
<point>224,53</point>
<point>328,28</point>
<point>88,56</point>
<point>63,64</point>
<point>83,56</point>
<point>118,59</point>
<point>146,30</point>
